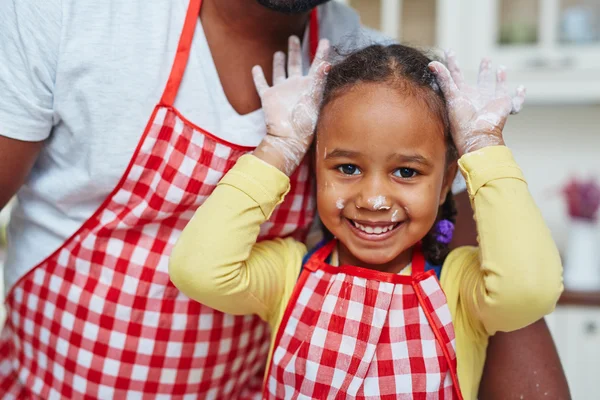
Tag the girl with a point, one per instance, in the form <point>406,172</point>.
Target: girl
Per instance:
<point>364,315</point>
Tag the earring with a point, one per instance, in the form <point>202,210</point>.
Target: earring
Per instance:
<point>445,230</point>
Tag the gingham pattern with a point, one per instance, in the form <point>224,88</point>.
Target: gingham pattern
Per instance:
<point>100,317</point>
<point>349,337</point>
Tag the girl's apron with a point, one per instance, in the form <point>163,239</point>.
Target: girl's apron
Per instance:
<point>354,333</point>
<point>99,318</point>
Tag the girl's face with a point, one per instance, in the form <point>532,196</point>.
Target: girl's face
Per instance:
<point>381,174</point>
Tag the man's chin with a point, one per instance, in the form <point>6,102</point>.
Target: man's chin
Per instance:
<point>291,6</point>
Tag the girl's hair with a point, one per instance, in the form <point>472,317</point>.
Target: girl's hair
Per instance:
<point>406,69</point>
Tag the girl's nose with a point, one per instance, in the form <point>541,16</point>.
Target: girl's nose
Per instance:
<point>374,203</point>
<point>372,194</point>
<point>378,203</point>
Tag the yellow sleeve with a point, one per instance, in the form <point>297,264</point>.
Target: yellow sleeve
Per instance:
<point>217,261</point>
<point>514,278</point>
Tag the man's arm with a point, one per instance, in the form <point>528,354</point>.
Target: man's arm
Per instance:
<point>30,34</point>
<point>523,364</point>
<point>519,364</point>
<point>465,233</point>
<point>16,159</point>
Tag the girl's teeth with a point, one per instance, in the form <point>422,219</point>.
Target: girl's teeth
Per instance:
<point>378,230</point>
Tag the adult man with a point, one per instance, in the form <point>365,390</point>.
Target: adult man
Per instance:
<point>117,119</point>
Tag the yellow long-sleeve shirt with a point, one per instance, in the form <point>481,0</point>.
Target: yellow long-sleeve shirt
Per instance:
<point>511,280</point>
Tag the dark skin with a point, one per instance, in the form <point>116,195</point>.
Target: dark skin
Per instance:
<point>524,362</point>
<point>251,32</point>
<point>16,160</point>
<point>244,33</point>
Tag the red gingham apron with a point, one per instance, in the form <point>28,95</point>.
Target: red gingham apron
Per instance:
<point>99,318</point>
<point>354,333</point>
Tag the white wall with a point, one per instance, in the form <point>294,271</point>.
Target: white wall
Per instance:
<point>551,144</point>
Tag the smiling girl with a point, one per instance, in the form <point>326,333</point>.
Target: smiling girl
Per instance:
<point>383,309</point>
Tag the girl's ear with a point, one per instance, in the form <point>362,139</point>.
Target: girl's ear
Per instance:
<point>449,176</point>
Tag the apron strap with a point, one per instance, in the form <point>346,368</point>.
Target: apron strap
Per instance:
<point>430,314</point>
<point>183,53</point>
<point>313,33</point>
<point>418,260</point>
<point>312,251</point>
<point>320,256</point>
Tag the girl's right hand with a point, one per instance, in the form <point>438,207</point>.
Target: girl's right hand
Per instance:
<point>291,105</point>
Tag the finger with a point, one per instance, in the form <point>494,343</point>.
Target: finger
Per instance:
<point>294,57</point>
<point>259,80</point>
<point>501,89</point>
<point>320,56</point>
<point>444,79</point>
<point>319,79</point>
<point>518,100</point>
<point>485,81</point>
<point>278,67</point>
<point>454,68</point>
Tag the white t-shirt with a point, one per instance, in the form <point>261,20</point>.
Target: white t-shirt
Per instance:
<point>85,76</point>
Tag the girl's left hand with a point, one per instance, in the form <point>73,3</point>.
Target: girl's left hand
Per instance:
<point>477,114</point>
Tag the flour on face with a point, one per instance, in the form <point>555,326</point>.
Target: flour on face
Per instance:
<point>378,203</point>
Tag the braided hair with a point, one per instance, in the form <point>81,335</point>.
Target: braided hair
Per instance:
<point>406,69</point>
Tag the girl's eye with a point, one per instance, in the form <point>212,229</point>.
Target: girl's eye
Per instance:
<point>349,169</point>
<point>405,173</point>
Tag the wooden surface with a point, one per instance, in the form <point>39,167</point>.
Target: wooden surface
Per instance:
<point>570,297</point>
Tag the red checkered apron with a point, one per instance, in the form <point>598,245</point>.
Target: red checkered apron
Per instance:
<point>353,333</point>
<point>99,318</point>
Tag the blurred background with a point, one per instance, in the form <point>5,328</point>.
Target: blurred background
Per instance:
<point>553,48</point>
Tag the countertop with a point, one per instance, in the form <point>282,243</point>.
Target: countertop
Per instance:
<point>580,298</point>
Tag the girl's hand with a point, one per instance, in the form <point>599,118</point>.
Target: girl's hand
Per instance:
<point>291,105</point>
<point>477,114</point>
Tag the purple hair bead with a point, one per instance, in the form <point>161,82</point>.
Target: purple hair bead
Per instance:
<point>444,229</point>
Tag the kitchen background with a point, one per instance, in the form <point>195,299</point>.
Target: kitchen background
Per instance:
<point>553,48</point>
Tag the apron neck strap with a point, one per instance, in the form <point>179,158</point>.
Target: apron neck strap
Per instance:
<point>183,52</point>
<point>320,255</point>
<point>418,260</point>
<point>313,34</point>
<point>185,43</point>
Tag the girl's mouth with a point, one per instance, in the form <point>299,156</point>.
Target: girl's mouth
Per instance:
<point>373,230</point>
